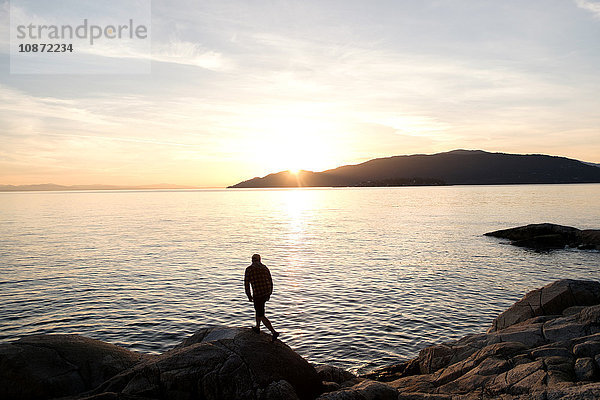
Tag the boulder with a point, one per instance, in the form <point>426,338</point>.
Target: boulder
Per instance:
<point>107,396</point>
<point>390,373</point>
<point>548,356</point>
<point>584,369</point>
<point>365,390</point>
<point>548,236</point>
<point>279,390</point>
<point>427,396</point>
<point>221,363</point>
<point>329,373</point>
<point>330,386</point>
<point>590,239</point>
<point>48,366</point>
<point>552,299</point>
<point>584,392</point>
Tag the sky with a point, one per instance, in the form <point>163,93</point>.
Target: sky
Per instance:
<point>238,89</point>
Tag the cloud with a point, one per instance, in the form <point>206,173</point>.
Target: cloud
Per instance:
<point>189,53</point>
<point>414,125</point>
<point>174,121</point>
<point>104,138</point>
<point>20,109</point>
<point>174,51</point>
<point>592,6</point>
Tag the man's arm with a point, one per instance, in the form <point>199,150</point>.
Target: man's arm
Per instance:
<point>247,285</point>
<point>270,282</point>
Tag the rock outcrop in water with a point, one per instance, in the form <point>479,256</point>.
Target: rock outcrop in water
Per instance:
<point>546,346</point>
<point>550,236</point>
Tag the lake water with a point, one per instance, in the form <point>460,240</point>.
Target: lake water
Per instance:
<point>364,277</point>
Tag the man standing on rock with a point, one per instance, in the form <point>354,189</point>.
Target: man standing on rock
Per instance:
<point>259,277</point>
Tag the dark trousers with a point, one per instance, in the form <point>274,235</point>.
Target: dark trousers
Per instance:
<point>259,305</point>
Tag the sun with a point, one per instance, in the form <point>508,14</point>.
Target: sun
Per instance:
<point>295,138</point>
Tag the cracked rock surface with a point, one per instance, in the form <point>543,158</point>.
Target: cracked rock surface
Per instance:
<point>221,363</point>
<point>546,346</point>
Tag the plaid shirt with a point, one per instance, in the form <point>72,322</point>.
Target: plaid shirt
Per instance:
<point>259,277</point>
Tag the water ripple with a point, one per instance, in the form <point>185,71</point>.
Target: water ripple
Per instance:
<point>363,277</point>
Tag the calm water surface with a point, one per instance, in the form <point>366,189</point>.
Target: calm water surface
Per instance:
<point>363,277</point>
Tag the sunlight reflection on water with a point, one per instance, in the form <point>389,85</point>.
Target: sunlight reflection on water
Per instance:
<point>363,277</point>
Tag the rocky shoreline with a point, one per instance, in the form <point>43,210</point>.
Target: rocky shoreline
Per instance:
<point>545,346</point>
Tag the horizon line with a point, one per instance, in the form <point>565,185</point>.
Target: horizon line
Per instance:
<point>169,186</point>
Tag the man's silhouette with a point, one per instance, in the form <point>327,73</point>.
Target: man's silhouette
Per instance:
<point>259,277</point>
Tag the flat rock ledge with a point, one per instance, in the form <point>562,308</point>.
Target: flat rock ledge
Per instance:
<point>548,236</point>
<point>546,346</point>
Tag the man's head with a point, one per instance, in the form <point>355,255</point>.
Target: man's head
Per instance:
<point>256,258</point>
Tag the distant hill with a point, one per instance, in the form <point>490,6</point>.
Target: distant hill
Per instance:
<point>52,187</point>
<point>458,167</point>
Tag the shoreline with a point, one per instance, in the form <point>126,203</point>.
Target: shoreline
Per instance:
<point>546,344</point>
<point>227,188</point>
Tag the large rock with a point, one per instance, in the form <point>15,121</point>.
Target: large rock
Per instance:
<point>221,363</point>
<point>549,236</point>
<point>365,390</point>
<point>330,373</point>
<point>552,299</point>
<point>590,239</point>
<point>279,390</point>
<point>48,366</point>
<point>107,396</point>
<point>547,356</point>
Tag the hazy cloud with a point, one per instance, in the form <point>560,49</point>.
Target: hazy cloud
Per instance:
<point>189,53</point>
<point>592,6</point>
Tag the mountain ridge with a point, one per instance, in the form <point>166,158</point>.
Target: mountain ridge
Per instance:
<point>456,167</point>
